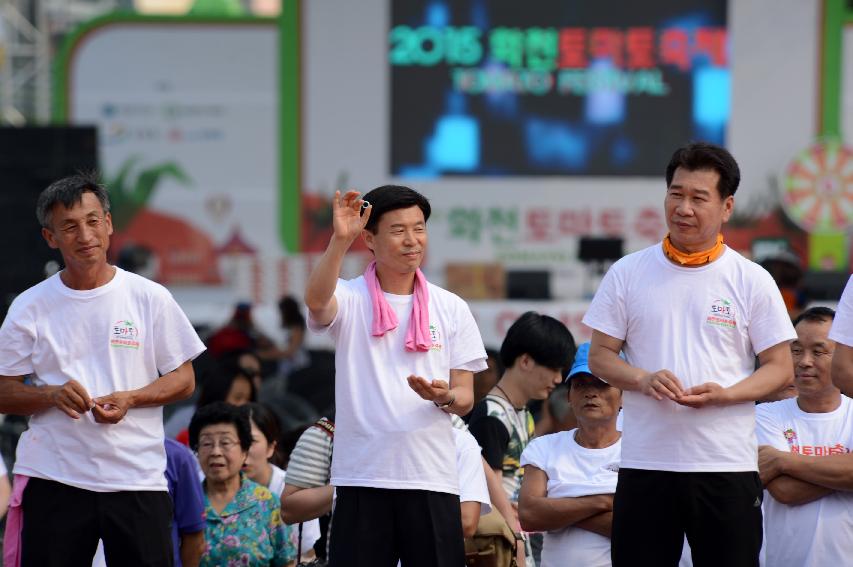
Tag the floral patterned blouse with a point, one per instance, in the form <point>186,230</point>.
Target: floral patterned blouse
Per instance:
<point>248,532</point>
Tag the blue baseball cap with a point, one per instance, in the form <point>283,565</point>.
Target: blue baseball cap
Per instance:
<point>581,363</point>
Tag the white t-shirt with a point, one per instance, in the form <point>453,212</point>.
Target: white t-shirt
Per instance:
<point>120,336</point>
<point>574,471</point>
<point>842,324</point>
<point>819,533</point>
<point>386,436</point>
<point>704,324</point>
<point>469,464</point>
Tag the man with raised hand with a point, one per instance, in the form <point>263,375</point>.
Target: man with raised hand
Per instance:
<point>104,350</point>
<point>690,315</point>
<point>405,354</point>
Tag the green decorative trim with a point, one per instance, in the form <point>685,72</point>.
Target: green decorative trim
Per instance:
<point>289,94</point>
<point>68,49</point>
<point>834,16</point>
<point>290,131</point>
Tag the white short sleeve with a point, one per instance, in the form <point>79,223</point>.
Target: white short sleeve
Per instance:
<point>17,338</point>
<point>344,295</point>
<point>842,325</point>
<point>175,340</point>
<point>768,427</point>
<point>466,349</point>
<point>472,477</point>
<point>770,323</point>
<point>535,454</point>
<point>607,313</point>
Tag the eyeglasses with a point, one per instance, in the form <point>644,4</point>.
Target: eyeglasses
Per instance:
<point>226,445</point>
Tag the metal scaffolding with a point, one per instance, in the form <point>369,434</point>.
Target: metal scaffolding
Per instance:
<point>30,31</point>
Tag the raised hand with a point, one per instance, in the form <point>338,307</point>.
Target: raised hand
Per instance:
<point>347,220</point>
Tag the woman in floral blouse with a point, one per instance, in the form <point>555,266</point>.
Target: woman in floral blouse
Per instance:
<point>243,521</point>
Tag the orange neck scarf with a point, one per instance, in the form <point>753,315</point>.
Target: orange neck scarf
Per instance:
<point>695,258</point>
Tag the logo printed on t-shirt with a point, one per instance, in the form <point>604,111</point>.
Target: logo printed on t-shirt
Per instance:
<point>722,314</point>
<point>434,337</point>
<point>790,436</point>
<point>124,334</point>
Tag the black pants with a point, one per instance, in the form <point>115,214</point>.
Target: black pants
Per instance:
<point>374,527</point>
<point>719,512</point>
<point>62,525</point>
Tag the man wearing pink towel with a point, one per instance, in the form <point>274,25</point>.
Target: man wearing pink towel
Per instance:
<point>406,354</point>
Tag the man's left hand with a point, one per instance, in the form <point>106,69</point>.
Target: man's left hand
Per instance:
<point>769,463</point>
<point>111,408</point>
<point>703,395</point>
<point>437,391</point>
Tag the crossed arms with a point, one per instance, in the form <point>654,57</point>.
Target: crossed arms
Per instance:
<point>795,479</point>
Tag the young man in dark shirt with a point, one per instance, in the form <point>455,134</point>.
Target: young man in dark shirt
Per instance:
<point>535,352</point>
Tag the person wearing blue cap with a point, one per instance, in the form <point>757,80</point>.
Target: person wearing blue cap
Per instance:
<point>570,476</point>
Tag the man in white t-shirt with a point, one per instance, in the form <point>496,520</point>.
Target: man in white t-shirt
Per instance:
<point>690,315</point>
<point>842,334</point>
<point>405,355</point>
<point>92,354</point>
<point>804,443</point>
<point>570,476</point>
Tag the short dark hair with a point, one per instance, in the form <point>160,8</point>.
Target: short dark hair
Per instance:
<point>217,383</point>
<point>390,198</point>
<point>291,315</point>
<point>269,425</point>
<point>217,413</point>
<point>702,155</point>
<point>546,340</point>
<point>496,356</point>
<point>68,191</point>
<point>818,314</point>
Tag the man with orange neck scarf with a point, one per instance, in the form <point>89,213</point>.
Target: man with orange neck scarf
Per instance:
<point>690,315</point>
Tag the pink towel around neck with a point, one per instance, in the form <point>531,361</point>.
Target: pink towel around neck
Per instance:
<point>14,523</point>
<point>384,318</point>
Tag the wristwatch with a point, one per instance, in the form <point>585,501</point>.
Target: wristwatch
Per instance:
<point>445,404</point>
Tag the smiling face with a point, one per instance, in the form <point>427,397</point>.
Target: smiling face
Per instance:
<point>219,452</point>
<point>694,210</point>
<point>812,354</point>
<point>593,400</point>
<point>400,241</point>
<point>81,233</point>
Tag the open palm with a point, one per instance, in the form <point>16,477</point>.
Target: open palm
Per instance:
<point>347,220</point>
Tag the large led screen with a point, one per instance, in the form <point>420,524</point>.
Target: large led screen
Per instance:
<point>571,87</point>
